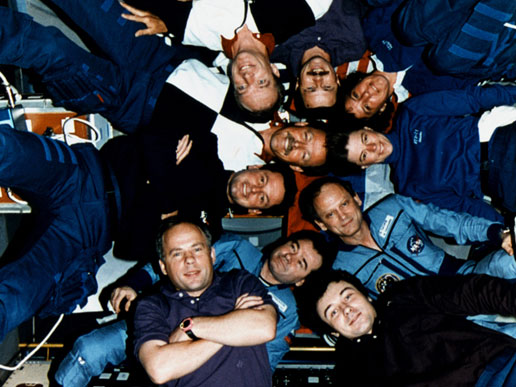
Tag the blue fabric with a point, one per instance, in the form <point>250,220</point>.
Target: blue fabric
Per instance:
<point>500,372</point>
<point>89,356</point>
<point>501,170</point>
<point>159,314</point>
<point>396,56</point>
<point>398,226</point>
<point>465,37</point>
<point>252,261</point>
<point>338,32</point>
<point>429,138</point>
<point>124,88</point>
<point>56,268</point>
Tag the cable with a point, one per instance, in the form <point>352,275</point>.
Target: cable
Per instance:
<point>35,349</point>
<point>75,138</point>
<point>12,93</point>
<point>246,5</point>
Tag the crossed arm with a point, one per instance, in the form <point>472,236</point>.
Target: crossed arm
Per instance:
<point>250,323</point>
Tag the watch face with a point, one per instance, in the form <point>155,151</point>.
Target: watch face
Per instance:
<point>186,323</point>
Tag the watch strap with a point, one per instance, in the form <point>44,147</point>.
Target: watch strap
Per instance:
<point>186,326</point>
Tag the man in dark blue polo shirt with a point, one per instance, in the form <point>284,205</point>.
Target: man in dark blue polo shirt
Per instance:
<point>203,328</point>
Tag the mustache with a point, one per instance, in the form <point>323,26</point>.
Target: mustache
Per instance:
<point>319,73</point>
<point>290,144</point>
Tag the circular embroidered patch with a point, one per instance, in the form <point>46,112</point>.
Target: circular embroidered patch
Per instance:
<point>415,244</point>
<point>384,281</point>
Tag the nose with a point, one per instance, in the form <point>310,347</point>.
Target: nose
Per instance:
<point>348,310</point>
<point>189,257</point>
<point>371,147</point>
<point>298,143</point>
<point>248,76</point>
<point>317,79</point>
<point>288,256</point>
<point>341,214</point>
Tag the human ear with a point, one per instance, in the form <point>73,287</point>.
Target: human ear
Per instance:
<point>321,225</point>
<point>296,168</point>
<point>275,70</point>
<point>299,283</point>
<point>254,166</point>
<point>163,267</point>
<point>357,199</point>
<point>213,256</point>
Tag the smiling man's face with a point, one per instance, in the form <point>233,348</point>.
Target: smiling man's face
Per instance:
<point>338,211</point>
<point>302,146</point>
<point>253,80</point>
<point>187,259</point>
<point>369,96</point>
<point>293,261</point>
<point>346,310</point>
<point>256,188</point>
<point>366,147</point>
<point>318,83</point>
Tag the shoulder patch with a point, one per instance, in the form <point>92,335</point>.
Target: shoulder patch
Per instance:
<point>415,244</point>
<point>384,281</point>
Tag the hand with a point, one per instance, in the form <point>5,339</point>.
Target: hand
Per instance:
<point>507,243</point>
<point>183,148</point>
<point>245,301</point>
<point>154,24</point>
<point>119,294</point>
<point>177,336</point>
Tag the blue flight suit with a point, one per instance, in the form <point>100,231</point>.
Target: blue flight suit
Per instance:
<point>66,188</point>
<point>123,88</point>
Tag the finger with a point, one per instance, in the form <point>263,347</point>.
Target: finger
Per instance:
<point>143,32</point>
<point>134,18</point>
<point>118,301</point>
<point>252,298</point>
<point>127,305</point>
<point>240,300</point>
<point>113,304</point>
<point>188,146</point>
<point>180,156</point>
<point>182,143</point>
<point>116,305</point>
<point>184,148</point>
<point>242,296</point>
<point>250,304</point>
<point>131,9</point>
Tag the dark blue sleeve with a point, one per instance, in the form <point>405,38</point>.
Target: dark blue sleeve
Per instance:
<point>460,295</point>
<point>471,99</point>
<point>472,206</point>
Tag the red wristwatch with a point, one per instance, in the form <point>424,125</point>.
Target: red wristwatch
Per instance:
<point>186,326</point>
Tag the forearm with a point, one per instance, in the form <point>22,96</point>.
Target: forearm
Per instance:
<point>240,327</point>
<point>164,362</point>
<point>459,225</point>
<point>466,295</point>
<point>472,99</point>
